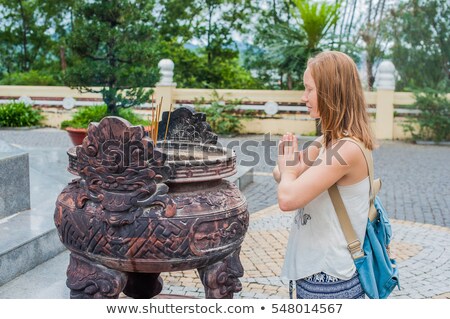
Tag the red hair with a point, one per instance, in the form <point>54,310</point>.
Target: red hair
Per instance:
<point>340,98</point>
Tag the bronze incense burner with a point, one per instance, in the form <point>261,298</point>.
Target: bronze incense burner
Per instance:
<point>139,209</point>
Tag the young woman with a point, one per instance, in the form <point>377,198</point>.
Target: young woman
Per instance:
<point>317,258</point>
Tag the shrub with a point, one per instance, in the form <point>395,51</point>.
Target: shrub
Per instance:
<point>434,118</point>
<point>29,78</point>
<point>85,115</point>
<point>222,115</point>
<point>19,115</point>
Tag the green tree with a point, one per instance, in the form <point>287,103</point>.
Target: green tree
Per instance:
<point>343,34</point>
<point>296,34</point>
<point>361,28</point>
<point>113,45</point>
<point>23,38</point>
<point>175,25</point>
<point>31,37</point>
<point>59,13</point>
<point>276,56</point>
<point>197,36</point>
<point>316,20</point>
<point>216,23</point>
<point>421,50</point>
<point>213,28</point>
<point>175,19</point>
<point>52,36</point>
<point>372,37</point>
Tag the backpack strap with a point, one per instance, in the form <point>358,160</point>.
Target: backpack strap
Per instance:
<point>375,184</point>
<point>353,243</point>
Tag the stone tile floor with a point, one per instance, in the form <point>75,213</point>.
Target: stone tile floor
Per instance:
<point>416,192</point>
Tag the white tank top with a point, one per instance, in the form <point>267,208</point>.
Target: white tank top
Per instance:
<point>316,241</point>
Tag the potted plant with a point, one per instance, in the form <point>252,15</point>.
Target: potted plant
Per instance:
<point>112,51</point>
<point>77,126</point>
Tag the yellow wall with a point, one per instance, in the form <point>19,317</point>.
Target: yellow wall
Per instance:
<point>300,124</point>
<point>385,125</point>
<point>54,116</point>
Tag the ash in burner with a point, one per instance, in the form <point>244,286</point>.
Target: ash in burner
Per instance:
<point>195,152</point>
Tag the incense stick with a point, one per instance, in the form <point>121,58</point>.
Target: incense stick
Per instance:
<point>158,114</point>
<point>167,125</point>
<point>152,122</point>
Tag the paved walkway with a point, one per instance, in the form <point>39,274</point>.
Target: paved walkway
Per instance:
<point>421,251</point>
<point>416,191</point>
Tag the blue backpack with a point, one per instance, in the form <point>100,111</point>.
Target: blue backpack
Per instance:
<point>377,271</point>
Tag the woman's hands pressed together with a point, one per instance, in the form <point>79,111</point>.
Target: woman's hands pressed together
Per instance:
<point>289,158</point>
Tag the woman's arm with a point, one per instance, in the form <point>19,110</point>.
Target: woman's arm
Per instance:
<point>330,166</point>
<point>308,156</point>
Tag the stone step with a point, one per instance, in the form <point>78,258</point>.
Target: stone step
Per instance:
<point>243,177</point>
<point>45,281</point>
<point>29,238</point>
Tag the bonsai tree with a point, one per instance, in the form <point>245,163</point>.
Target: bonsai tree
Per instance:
<point>113,48</point>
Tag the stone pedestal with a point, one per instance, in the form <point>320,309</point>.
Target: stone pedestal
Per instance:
<point>14,181</point>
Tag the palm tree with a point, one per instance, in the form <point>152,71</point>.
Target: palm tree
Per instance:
<point>293,43</point>
<point>316,20</point>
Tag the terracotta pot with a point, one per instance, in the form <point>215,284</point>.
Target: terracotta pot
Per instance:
<point>77,135</point>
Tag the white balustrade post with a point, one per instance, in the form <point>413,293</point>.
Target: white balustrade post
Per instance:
<point>165,87</point>
<point>385,85</point>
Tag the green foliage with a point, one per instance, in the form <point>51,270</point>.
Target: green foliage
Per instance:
<point>289,53</point>
<point>192,70</point>
<point>289,33</point>
<point>217,63</point>
<point>316,19</point>
<point>226,73</point>
<point>434,119</point>
<point>175,20</point>
<point>421,44</point>
<point>23,37</point>
<point>85,115</point>
<point>19,115</point>
<point>116,45</point>
<point>29,78</point>
<point>113,45</point>
<point>217,22</point>
<point>222,115</point>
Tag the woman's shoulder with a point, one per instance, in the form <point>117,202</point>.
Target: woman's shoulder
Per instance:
<point>317,142</point>
<point>319,139</point>
<point>349,150</point>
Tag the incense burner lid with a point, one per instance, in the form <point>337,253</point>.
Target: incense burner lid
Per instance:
<point>185,125</point>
